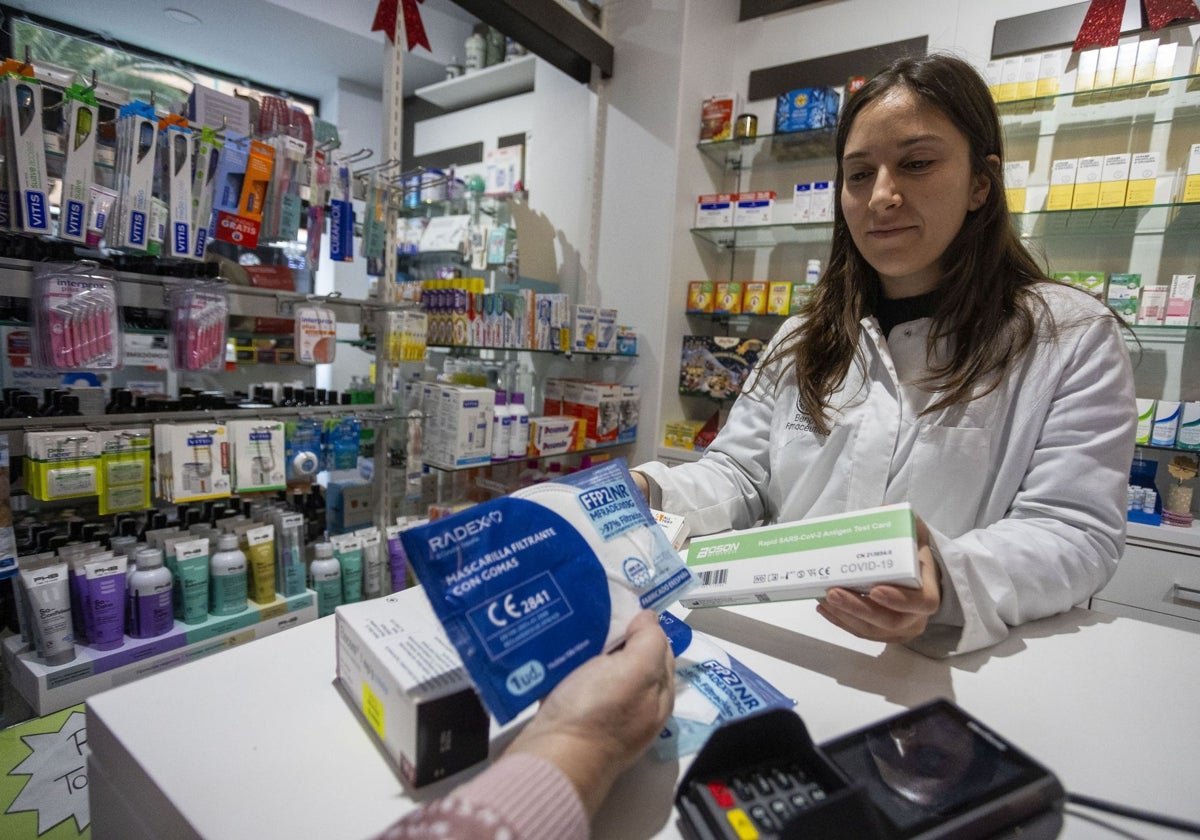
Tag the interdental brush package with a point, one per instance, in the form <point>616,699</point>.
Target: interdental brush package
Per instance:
<point>75,317</point>
<point>531,585</point>
<point>711,688</point>
<point>198,320</point>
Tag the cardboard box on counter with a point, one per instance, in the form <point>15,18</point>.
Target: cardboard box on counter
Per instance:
<point>407,683</point>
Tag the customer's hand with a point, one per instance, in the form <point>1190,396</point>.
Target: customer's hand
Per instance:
<point>600,719</point>
<point>889,613</point>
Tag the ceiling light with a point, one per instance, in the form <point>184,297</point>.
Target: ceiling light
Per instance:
<point>180,16</point>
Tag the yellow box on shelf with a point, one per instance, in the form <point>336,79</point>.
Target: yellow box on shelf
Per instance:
<point>1016,180</point>
<point>1062,184</point>
<point>1087,183</point>
<point>1143,176</point>
<point>1191,183</point>
<point>1114,180</point>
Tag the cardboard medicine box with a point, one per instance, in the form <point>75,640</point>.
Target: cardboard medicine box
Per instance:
<point>1181,310</point>
<point>555,435</point>
<point>716,117</point>
<point>1123,294</point>
<point>803,559</point>
<point>729,295</point>
<point>806,108</point>
<point>715,210</point>
<point>407,683</point>
<point>700,296</point>
<point>754,208</point>
<point>754,298</point>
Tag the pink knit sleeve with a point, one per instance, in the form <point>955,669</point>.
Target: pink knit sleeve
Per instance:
<point>520,797</point>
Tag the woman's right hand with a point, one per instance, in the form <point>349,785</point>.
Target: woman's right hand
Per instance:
<point>600,719</point>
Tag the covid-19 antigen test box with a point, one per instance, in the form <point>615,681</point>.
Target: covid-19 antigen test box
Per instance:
<point>803,559</point>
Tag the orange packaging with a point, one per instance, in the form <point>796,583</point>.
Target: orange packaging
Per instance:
<point>754,298</point>
<point>779,297</point>
<point>258,175</point>
<point>728,297</point>
<point>700,296</point>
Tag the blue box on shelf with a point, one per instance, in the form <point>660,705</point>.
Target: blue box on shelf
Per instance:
<point>806,108</point>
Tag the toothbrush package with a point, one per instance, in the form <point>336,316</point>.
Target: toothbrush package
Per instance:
<point>26,150</point>
<point>531,585</point>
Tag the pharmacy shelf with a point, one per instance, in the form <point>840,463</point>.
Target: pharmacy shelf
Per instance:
<point>1166,537</point>
<point>471,350</point>
<point>771,149</point>
<point>1164,101</point>
<point>1151,219</point>
<point>587,450</point>
<point>151,291</point>
<point>49,689</point>
<point>489,83</point>
<point>764,236</point>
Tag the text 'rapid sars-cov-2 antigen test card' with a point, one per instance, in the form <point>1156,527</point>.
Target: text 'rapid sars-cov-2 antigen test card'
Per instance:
<point>802,559</point>
<point>531,585</point>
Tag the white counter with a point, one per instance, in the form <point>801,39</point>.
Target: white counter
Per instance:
<point>258,742</point>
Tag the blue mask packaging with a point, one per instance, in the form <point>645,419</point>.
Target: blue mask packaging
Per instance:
<point>531,585</point>
<point>711,688</point>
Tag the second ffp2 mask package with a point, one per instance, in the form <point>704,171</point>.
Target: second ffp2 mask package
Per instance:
<point>531,585</point>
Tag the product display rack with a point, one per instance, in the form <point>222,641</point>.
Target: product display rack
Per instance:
<point>49,688</point>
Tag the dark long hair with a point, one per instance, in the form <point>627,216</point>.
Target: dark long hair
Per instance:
<point>986,308</point>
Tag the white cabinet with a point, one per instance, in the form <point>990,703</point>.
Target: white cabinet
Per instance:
<point>1158,578</point>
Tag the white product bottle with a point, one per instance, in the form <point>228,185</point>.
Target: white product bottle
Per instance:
<point>227,577</point>
<point>501,427</point>
<point>326,575</point>
<point>476,50</point>
<point>813,273</point>
<point>518,444</point>
<point>149,593</point>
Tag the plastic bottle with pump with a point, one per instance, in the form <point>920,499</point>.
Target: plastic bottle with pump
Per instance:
<point>148,590</point>
<point>227,577</point>
<point>326,575</point>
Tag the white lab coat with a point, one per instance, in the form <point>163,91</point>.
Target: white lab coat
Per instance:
<point>1024,489</point>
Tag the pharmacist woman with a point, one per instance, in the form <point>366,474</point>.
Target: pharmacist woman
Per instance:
<point>935,364</point>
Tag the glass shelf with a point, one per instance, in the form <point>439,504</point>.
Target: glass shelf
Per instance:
<point>589,450</point>
<point>771,149</point>
<point>1129,221</point>
<point>765,236</point>
<point>1162,101</point>
<point>489,205</point>
<point>468,348</point>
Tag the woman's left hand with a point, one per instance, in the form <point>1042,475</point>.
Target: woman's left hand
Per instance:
<point>889,613</point>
